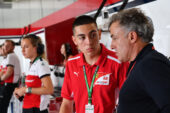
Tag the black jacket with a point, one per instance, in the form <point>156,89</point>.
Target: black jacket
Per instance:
<point>147,88</point>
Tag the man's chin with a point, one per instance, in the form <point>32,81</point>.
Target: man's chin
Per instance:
<point>120,59</point>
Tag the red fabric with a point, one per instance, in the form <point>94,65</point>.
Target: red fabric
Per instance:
<point>55,104</point>
<point>59,99</point>
<point>10,79</point>
<point>103,96</point>
<point>32,100</point>
<point>2,82</point>
<point>33,81</point>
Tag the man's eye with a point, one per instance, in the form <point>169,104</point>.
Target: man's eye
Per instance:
<point>26,46</point>
<point>114,38</point>
<point>81,37</point>
<point>93,35</point>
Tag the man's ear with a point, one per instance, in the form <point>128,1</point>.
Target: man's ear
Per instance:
<point>74,40</point>
<point>13,48</point>
<point>100,32</point>
<point>132,36</point>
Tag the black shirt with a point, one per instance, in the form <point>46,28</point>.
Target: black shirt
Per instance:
<point>147,88</point>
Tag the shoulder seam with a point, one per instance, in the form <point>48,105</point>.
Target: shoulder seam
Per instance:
<point>114,59</point>
<point>73,58</point>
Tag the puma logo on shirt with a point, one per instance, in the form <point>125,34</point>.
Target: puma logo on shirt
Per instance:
<point>76,73</point>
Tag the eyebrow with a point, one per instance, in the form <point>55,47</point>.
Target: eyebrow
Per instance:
<point>88,33</point>
<point>92,31</point>
<point>80,35</point>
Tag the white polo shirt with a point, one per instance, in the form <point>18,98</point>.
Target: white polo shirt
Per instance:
<point>38,69</point>
<point>12,60</point>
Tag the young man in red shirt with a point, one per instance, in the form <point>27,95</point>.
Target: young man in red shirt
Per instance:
<point>92,76</point>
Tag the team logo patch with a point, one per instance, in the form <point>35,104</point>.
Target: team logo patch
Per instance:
<point>102,78</point>
<point>29,80</point>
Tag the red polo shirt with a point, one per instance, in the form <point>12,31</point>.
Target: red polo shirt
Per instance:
<point>111,75</point>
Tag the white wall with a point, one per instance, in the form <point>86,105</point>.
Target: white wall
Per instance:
<point>24,12</point>
<point>159,11</point>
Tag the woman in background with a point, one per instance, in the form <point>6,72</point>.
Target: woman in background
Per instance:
<point>66,52</point>
<point>38,82</point>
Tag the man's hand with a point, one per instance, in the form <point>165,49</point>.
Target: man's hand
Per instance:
<point>19,92</point>
<point>2,72</point>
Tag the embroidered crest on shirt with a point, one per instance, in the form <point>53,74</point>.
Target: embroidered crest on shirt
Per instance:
<point>102,78</point>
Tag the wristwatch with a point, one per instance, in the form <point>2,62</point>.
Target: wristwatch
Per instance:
<point>28,90</point>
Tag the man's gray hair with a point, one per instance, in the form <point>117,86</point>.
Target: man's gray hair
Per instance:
<point>135,20</point>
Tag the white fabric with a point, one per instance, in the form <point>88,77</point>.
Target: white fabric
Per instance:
<point>13,60</point>
<point>40,68</point>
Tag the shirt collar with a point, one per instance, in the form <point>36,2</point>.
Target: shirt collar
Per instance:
<point>35,59</point>
<point>148,48</point>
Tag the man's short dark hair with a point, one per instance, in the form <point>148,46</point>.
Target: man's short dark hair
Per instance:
<point>11,41</point>
<point>84,19</point>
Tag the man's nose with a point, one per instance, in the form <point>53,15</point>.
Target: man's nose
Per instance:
<point>112,46</point>
<point>88,40</point>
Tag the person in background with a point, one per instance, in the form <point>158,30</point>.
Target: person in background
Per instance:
<point>66,52</point>
<point>147,88</point>
<point>92,76</point>
<point>38,81</point>
<point>2,63</point>
<point>1,50</point>
<point>10,74</point>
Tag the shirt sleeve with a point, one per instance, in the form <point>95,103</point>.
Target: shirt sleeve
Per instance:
<point>10,60</point>
<point>122,73</point>
<point>156,82</point>
<point>43,69</point>
<point>66,91</point>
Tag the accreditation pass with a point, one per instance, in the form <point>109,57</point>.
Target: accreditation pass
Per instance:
<point>89,108</point>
